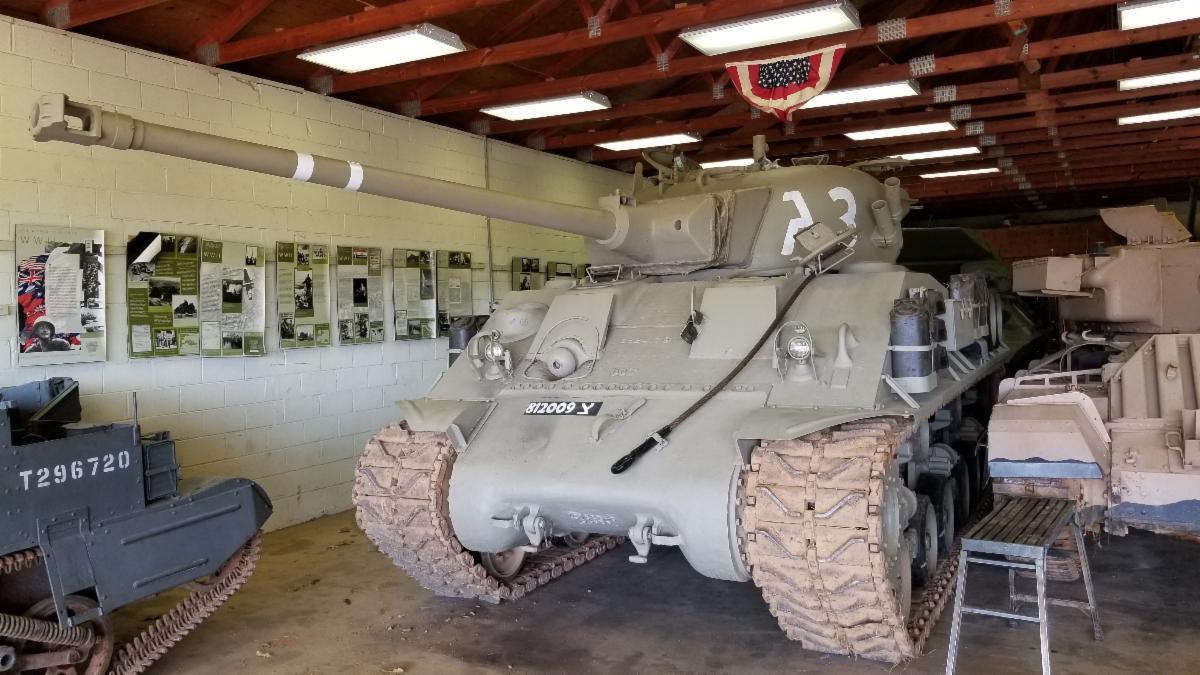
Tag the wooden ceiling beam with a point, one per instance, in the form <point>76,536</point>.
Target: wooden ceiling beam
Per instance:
<point>1071,163</point>
<point>916,27</point>
<point>978,113</point>
<point>965,93</point>
<point>533,13</point>
<point>226,28</point>
<point>636,27</point>
<point>1002,185</point>
<point>375,20</point>
<point>1026,128</point>
<point>66,14</point>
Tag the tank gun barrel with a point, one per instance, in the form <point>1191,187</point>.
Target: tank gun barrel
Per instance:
<point>55,118</point>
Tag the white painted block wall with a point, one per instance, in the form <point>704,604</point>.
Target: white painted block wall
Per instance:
<point>293,421</point>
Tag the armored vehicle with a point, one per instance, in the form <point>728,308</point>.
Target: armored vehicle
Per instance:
<point>96,519</point>
<point>1110,420</point>
<point>745,374</point>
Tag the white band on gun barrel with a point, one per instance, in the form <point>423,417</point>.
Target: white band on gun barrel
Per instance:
<point>304,167</point>
<point>356,177</point>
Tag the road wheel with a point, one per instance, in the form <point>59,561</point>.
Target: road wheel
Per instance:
<point>925,557</point>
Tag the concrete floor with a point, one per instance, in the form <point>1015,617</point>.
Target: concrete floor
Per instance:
<point>324,601</point>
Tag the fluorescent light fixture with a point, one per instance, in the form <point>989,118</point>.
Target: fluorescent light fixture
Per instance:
<point>424,41</point>
<point>965,172</point>
<point>823,18</point>
<point>650,142</point>
<point>727,163</point>
<point>873,92</point>
<point>938,154</point>
<point>914,130</point>
<point>584,101</point>
<point>1155,12</point>
<point>1160,80</point>
<point>1160,117</point>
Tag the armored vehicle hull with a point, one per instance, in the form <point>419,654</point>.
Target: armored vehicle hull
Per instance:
<point>745,374</point>
<point>97,519</point>
<point>1110,420</point>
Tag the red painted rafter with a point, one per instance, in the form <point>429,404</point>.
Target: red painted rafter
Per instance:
<point>533,13</point>
<point>71,13</point>
<point>917,27</point>
<point>228,26</point>
<point>965,93</point>
<point>559,43</point>
<point>345,27</point>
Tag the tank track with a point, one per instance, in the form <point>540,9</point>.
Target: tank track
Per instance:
<point>812,535</point>
<point>401,487</point>
<point>148,646</point>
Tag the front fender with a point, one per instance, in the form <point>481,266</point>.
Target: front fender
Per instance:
<point>457,419</point>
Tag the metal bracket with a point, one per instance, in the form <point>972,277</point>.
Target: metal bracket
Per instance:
<point>662,61</point>
<point>945,94</point>
<point>899,391</point>
<point>537,529</point>
<point>923,65</point>
<point>891,30</point>
<point>974,128</point>
<point>593,26</point>
<point>960,112</point>
<point>1003,7</point>
<point>644,534</point>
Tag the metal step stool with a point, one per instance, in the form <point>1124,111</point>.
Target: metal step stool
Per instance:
<point>1024,528</point>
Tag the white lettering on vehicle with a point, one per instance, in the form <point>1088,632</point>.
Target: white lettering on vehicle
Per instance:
<point>79,469</point>
<point>805,217</point>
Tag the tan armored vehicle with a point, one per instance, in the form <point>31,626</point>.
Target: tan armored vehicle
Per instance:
<point>745,374</point>
<point>1111,419</point>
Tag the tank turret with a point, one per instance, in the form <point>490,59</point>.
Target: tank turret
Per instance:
<point>685,219</point>
<point>745,374</point>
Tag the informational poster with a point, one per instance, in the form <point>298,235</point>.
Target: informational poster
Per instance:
<point>60,295</point>
<point>360,294</point>
<point>527,274</point>
<point>560,269</point>
<point>163,295</point>
<point>303,271</point>
<point>454,288</point>
<point>233,299</point>
<point>414,293</point>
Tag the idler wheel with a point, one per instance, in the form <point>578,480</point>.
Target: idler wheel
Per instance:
<point>504,565</point>
<point>95,659</point>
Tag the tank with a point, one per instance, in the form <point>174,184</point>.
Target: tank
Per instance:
<point>1110,419</point>
<point>96,519</point>
<point>745,374</point>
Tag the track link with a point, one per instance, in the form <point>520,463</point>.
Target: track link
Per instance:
<point>811,529</point>
<point>401,492</point>
<point>151,644</point>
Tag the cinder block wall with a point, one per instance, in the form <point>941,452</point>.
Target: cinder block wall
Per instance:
<point>294,421</point>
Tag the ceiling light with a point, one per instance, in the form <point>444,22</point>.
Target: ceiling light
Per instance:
<point>965,172</point>
<point>873,92</point>
<point>584,101</point>
<point>824,18</point>
<point>726,163</point>
<point>424,41</point>
<point>1146,81</point>
<point>650,142</point>
<point>1160,117</point>
<point>893,132</point>
<point>937,154</point>
<point>1154,12</point>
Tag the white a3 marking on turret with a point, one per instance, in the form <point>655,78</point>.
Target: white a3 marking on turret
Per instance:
<point>805,219</point>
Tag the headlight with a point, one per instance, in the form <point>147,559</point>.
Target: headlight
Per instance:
<point>800,348</point>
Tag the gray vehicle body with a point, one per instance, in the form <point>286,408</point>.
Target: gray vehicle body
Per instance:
<point>105,506</point>
<point>557,466</point>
